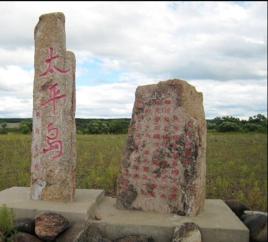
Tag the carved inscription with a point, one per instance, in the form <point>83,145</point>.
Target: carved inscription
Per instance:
<point>161,157</point>
<point>54,133</point>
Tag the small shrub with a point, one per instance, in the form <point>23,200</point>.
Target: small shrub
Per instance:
<point>25,127</point>
<point>228,126</point>
<point>211,125</point>
<point>3,128</point>
<point>6,219</point>
<point>3,131</point>
<point>251,127</point>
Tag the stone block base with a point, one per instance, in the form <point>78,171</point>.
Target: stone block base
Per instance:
<point>18,198</point>
<point>217,223</point>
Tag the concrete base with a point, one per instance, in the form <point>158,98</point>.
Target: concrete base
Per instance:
<point>18,198</point>
<point>217,223</point>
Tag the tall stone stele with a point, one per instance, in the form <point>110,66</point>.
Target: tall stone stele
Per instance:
<point>54,132</point>
<point>164,164</point>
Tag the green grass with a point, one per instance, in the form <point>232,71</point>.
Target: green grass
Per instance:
<point>236,164</point>
<point>6,221</point>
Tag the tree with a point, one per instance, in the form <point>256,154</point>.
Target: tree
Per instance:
<point>259,118</point>
<point>251,127</point>
<point>97,127</point>
<point>3,129</point>
<point>119,126</point>
<point>227,127</point>
<point>25,127</point>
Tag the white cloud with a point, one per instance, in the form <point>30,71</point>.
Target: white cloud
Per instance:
<point>16,87</point>
<point>13,106</point>
<point>234,98</point>
<point>109,100</point>
<point>18,56</point>
<point>223,45</point>
<point>16,79</point>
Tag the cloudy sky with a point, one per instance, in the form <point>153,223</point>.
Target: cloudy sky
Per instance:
<point>220,47</point>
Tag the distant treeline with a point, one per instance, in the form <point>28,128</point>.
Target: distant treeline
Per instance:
<point>257,123</point>
<point>83,126</point>
<point>102,126</point>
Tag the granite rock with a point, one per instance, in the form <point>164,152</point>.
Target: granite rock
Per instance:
<point>49,225</point>
<point>25,237</point>
<point>237,207</point>
<point>53,165</point>
<point>25,225</point>
<point>164,164</point>
<point>257,225</point>
<point>135,238</point>
<point>187,232</point>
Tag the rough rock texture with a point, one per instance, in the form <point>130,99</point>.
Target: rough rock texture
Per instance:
<point>25,225</point>
<point>135,238</point>
<point>49,225</point>
<point>187,232</point>
<point>74,234</point>
<point>237,207</point>
<point>92,234</point>
<point>164,165</point>
<point>24,237</point>
<point>257,225</point>
<point>53,137</point>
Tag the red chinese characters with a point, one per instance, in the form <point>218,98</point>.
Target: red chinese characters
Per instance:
<point>55,95</point>
<point>53,142</point>
<point>51,68</point>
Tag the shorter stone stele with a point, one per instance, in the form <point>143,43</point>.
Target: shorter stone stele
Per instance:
<point>164,164</point>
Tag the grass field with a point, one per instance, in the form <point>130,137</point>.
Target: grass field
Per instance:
<point>236,164</point>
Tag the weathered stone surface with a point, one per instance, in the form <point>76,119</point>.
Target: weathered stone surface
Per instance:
<point>135,238</point>
<point>187,232</point>
<point>24,237</point>
<point>73,234</point>
<point>92,234</point>
<point>257,225</point>
<point>54,132</point>
<point>49,225</point>
<point>237,207</point>
<point>164,165</point>
<point>25,225</point>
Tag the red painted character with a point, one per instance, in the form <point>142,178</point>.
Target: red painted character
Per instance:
<point>147,110</point>
<point>37,114</point>
<point>146,169</point>
<point>157,119</point>
<point>53,142</point>
<point>166,119</point>
<point>52,68</point>
<point>54,93</point>
<point>146,152</point>
<point>157,127</point>
<point>167,101</point>
<point>156,136</point>
<point>144,177</point>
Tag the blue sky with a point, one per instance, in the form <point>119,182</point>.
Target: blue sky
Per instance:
<point>219,47</point>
